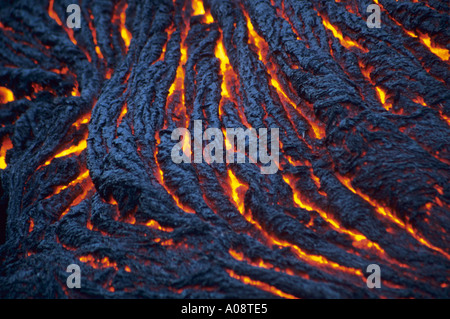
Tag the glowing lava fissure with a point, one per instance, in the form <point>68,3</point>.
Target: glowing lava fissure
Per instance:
<point>262,50</point>
<point>5,146</point>
<point>238,191</point>
<point>440,51</point>
<point>361,176</point>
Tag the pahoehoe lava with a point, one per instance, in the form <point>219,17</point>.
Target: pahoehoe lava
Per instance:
<point>87,178</point>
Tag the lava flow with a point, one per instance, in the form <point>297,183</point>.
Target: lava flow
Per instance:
<point>93,171</point>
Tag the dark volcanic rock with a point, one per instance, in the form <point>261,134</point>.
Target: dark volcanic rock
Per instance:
<point>88,178</point>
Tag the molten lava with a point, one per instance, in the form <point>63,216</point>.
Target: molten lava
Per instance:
<point>5,146</point>
<point>6,95</point>
<point>86,157</point>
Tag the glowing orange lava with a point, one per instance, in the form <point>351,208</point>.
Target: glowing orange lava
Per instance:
<point>55,17</point>
<point>366,71</point>
<point>197,6</point>
<point>169,31</point>
<point>160,178</point>
<point>225,67</point>
<point>75,91</point>
<point>98,263</point>
<point>359,240</point>
<point>6,145</point>
<point>442,53</point>
<point>237,189</point>
<point>178,84</point>
<point>122,114</point>
<point>6,95</point>
<point>31,226</point>
<point>386,212</point>
<point>345,41</point>
<point>94,36</point>
<point>282,13</point>
<point>382,96</point>
<point>263,48</point>
<point>83,175</point>
<point>126,35</point>
<point>229,80</point>
<point>86,183</point>
<point>74,149</point>
<point>155,225</point>
<point>261,285</point>
<point>425,39</point>
<point>83,120</point>
<point>260,263</point>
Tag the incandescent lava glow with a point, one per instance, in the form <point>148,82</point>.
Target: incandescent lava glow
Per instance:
<point>6,145</point>
<point>55,17</point>
<point>94,36</point>
<point>98,263</point>
<point>80,146</point>
<point>345,41</point>
<point>366,71</point>
<point>229,81</point>
<point>75,91</point>
<point>83,120</point>
<point>358,238</point>
<point>262,49</point>
<point>380,209</point>
<point>442,53</point>
<point>178,84</point>
<point>261,285</point>
<point>259,263</point>
<point>225,67</point>
<point>87,186</point>
<point>81,178</point>
<point>355,185</point>
<point>160,178</point>
<point>255,39</point>
<point>74,149</point>
<point>6,95</point>
<point>31,227</point>
<point>382,96</point>
<point>155,225</point>
<point>122,114</point>
<point>387,213</point>
<point>197,6</point>
<point>126,35</point>
<point>237,190</point>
